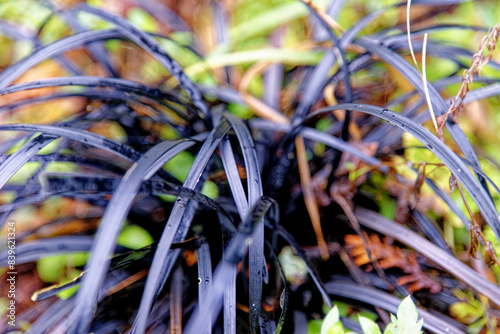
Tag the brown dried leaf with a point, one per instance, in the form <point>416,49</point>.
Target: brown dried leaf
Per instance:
<point>402,209</point>
<point>490,255</point>
<point>403,193</point>
<point>453,183</point>
<point>367,148</point>
<point>418,185</point>
<point>390,256</point>
<point>474,241</point>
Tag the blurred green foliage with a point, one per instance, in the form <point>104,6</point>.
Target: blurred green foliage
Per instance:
<point>134,237</point>
<point>61,269</point>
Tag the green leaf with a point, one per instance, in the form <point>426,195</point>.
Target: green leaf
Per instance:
<point>78,259</point>
<point>68,293</point>
<point>293,266</point>
<point>50,268</point>
<point>210,189</point>
<point>331,323</point>
<point>369,326</point>
<point>25,172</point>
<point>142,20</point>
<point>314,326</point>
<point>342,307</point>
<point>134,237</point>
<point>179,165</point>
<point>337,328</point>
<point>408,316</point>
<point>467,312</point>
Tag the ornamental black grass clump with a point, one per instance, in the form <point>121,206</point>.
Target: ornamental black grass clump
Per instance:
<point>315,191</point>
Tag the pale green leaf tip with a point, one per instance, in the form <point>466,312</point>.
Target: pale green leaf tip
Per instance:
<point>369,326</point>
<point>330,320</point>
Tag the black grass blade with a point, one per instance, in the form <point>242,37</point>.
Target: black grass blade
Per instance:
<point>204,276</point>
<point>176,227</point>
<point>340,145</point>
<point>80,183</point>
<point>82,136</point>
<point>163,13</point>
<point>110,226</point>
<point>15,71</point>
<point>234,253</point>
<point>21,156</point>
<point>257,262</point>
<point>431,230</point>
<point>92,81</point>
<point>150,45</point>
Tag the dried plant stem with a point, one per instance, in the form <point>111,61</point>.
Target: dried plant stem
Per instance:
<point>309,196</point>
<point>478,61</point>
<point>477,229</point>
<point>260,108</point>
<point>410,45</point>
<point>176,303</point>
<point>426,87</point>
<point>423,73</point>
<point>325,17</point>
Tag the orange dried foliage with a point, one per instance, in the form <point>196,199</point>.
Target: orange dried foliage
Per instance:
<point>44,70</point>
<point>72,227</point>
<point>191,257</point>
<point>47,112</point>
<point>37,223</point>
<point>221,176</point>
<point>390,256</point>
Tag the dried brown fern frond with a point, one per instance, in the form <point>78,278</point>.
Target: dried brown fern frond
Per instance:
<point>390,256</point>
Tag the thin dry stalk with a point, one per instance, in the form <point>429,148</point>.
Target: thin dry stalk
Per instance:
<point>309,196</point>
<point>259,108</point>
<point>478,61</point>
<point>423,73</point>
<point>325,17</point>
